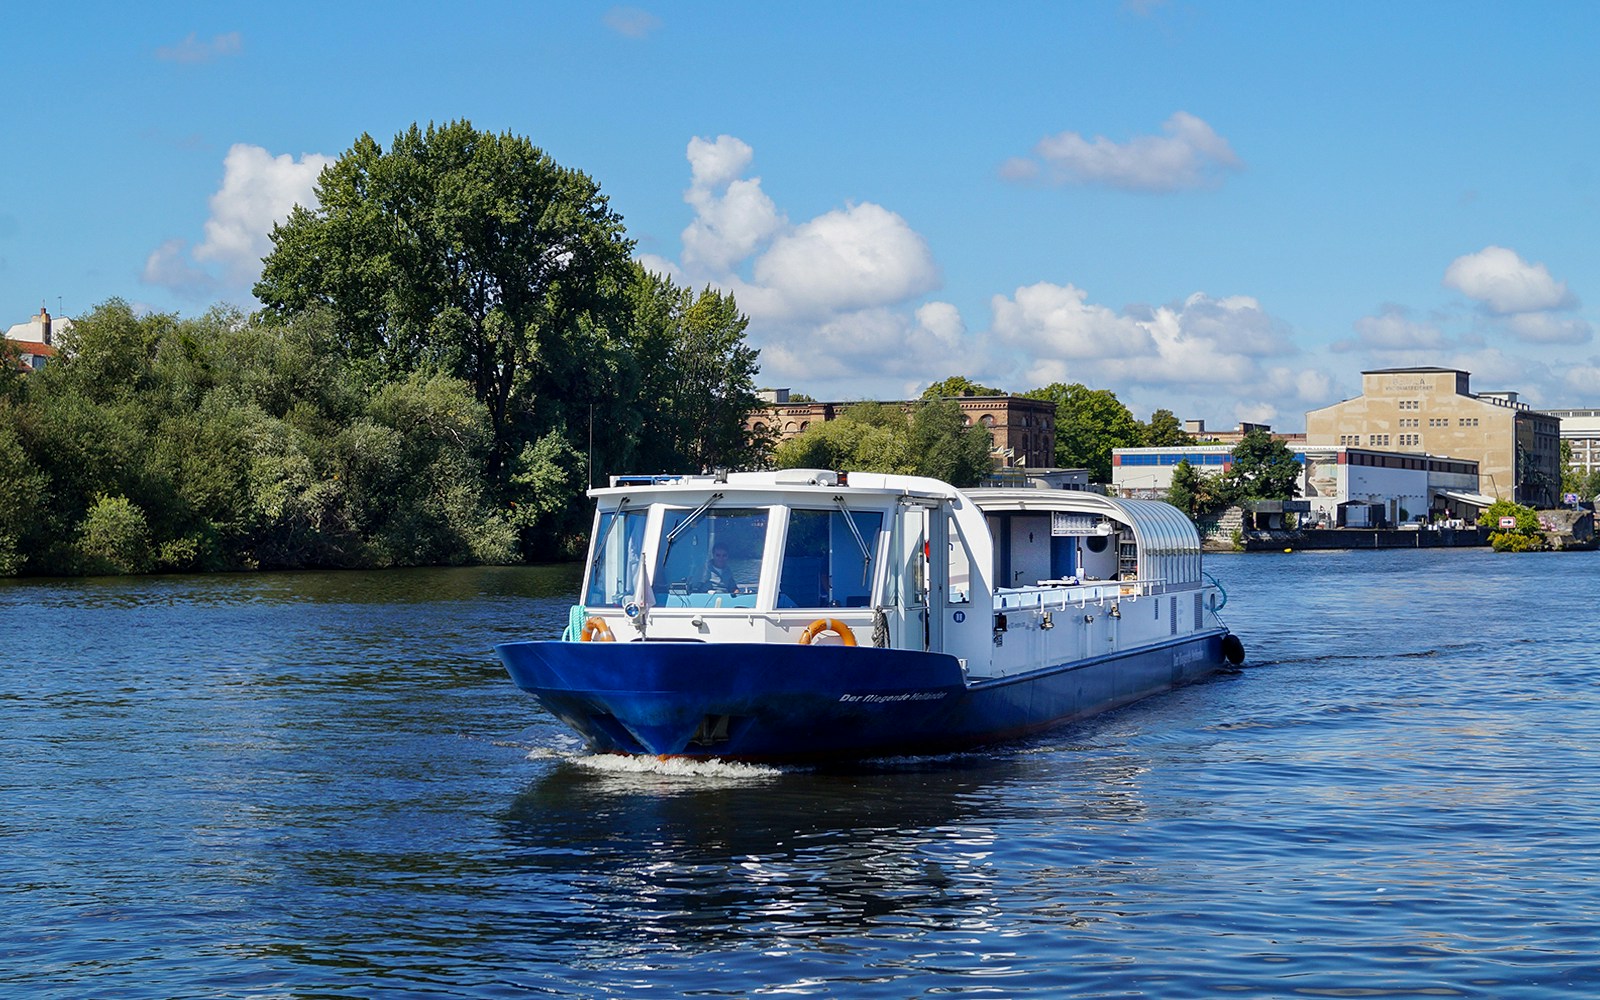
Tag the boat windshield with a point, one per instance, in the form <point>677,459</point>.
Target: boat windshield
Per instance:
<point>714,559</point>
<point>828,559</point>
<point>614,561</point>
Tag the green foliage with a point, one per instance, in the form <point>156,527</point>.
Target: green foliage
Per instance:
<point>1089,424</point>
<point>930,440</point>
<point>1263,469</point>
<point>1198,493</point>
<point>947,449</point>
<point>1575,479</point>
<point>114,537</point>
<point>465,252</point>
<point>696,378</point>
<point>444,339</point>
<point>23,492</point>
<point>1164,430</point>
<point>1526,536</point>
<point>956,386</point>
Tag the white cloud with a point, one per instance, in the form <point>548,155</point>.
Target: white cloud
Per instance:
<point>258,190</point>
<point>1393,329</point>
<point>1202,357</point>
<point>193,49</point>
<point>633,22</point>
<point>1057,322</point>
<point>1503,283</point>
<point>718,163</point>
<point>835,307</point>
<point>860,257</point>
<point>855,353</point>
<point>1582,380</point>
<point>831,299</point>
<point>733,216</point>
<point>943,320</point>
<point>169,267</point>
<point>1545,328</point>
<point>1191,154</point>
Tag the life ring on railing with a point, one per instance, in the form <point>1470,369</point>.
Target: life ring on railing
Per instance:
<point>595,629</point>
<point>822,625</point>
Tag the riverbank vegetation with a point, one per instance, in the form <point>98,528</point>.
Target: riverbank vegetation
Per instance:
<point>1513,527</point>
<point>445,344</point>
<point>451,348</point>
<point>1261,468</point>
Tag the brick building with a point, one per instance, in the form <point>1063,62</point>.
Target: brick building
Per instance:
<point>1023,431</point>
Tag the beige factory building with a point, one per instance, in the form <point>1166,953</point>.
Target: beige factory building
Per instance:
<point>1432,411</point>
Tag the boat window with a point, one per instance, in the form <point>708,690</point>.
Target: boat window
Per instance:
<point>824,564</point>
<point>959,567</point>
<point>614,567</point>
<point>713,560</point>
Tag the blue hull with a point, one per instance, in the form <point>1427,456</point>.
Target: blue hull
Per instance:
<point>775,702</point>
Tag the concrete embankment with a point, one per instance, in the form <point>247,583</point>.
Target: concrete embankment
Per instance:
<point>1363,538</point>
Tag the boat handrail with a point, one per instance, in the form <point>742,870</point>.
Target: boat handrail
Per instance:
<point>1053,595</point>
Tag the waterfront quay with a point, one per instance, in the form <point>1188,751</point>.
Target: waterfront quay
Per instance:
<point>1425,537</point>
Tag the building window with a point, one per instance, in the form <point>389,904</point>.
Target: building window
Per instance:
<point>986,420</point>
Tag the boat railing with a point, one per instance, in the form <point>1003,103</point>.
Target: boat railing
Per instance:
<point>1051,595</point>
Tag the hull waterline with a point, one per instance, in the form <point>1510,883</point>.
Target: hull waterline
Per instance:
<point>767,702</point>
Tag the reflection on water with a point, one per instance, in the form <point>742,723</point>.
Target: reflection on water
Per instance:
<point>323,785</point>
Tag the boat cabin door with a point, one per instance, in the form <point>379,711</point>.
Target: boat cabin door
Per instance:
<point>919,554</point>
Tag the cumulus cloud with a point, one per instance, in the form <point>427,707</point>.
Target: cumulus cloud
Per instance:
<point>1189,155</point>
<point>169,266</point>
<point>1503,283</point>
<point>194,49</point>
<point>632,22</point>
<point>859,257</point>
<point>732,215</point>
<point>836,304</point>
<point>1393,329</point>
<point>854,354</point>
<point>1205,356</point>
<point>828,281</point>
<point>1057,322</point>
<point>1582,380</point>
<point>1545,328</point>
<point>258,190</point>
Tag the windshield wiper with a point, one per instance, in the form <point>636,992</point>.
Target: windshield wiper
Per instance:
<point>850,522</point>
<point>694,515</point>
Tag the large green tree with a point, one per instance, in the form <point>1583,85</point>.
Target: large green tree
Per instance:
<point>1089,424</point>
<point>1163,430</point>
<point>1263,468</point>
<point>464,252</point>
<point>696,378</point>
<point>1198,493</point>
<point>958,385</point>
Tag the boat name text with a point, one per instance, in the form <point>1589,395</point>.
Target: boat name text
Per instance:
<point>882,699</point>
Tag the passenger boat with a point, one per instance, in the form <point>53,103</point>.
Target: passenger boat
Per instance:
<point>805,615</point>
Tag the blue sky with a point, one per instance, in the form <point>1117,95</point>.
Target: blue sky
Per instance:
<point>1229,210</point>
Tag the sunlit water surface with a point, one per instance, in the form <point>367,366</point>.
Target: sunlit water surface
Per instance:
<point>322,785</point>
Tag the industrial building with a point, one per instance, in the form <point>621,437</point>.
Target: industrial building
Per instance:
<point>1432,411</point>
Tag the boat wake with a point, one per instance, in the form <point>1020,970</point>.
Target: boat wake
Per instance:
<point>685,768</point>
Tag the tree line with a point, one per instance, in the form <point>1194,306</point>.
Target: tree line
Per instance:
<point>445,343</point>
<point>451,348</point>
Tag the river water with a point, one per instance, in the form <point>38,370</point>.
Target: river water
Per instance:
<point>322,785</point>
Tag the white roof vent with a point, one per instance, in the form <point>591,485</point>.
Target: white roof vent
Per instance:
<point>806,477</point>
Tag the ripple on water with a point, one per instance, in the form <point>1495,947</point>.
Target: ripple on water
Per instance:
<point>321,785</point>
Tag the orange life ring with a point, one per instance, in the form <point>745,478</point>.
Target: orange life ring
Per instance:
<point>595,629</point>
<point>822,625</point>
